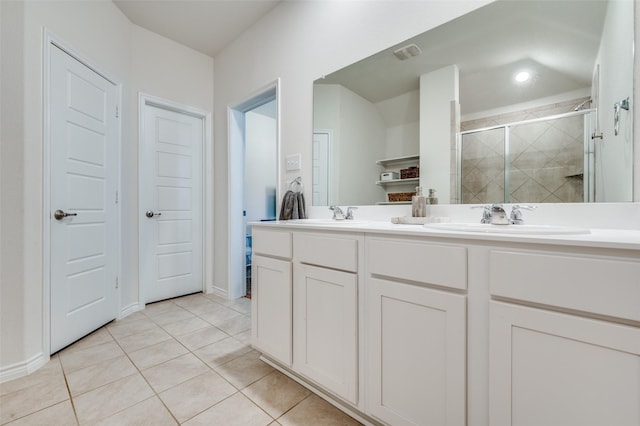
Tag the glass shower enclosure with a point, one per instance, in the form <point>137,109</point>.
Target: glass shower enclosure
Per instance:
<point>541,160</point>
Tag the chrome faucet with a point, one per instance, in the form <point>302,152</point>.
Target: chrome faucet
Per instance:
<point>350,212</point>
<point>493,214</point>
<point>516,215</point>
<point>338,214</point>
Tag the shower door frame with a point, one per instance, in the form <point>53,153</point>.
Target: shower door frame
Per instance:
<point>590,120</point>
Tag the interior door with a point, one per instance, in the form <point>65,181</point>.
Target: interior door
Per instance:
<point>171,194</point>
<point>83,184</point>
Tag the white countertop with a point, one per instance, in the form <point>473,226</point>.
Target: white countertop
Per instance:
<point>597,238</point>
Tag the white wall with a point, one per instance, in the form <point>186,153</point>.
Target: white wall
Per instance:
<point>438,89</point>
<point>614,154</point>
<point>401,116</point>
<point>133,56</point>
<point>299,42</point>
<point>358,138</point>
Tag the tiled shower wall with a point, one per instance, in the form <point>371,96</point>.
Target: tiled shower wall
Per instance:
<point>546,158</point>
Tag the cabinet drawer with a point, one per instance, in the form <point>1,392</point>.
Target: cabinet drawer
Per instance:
<point>271,242</point>
<point>590,284</point>
<point>336,252</point>
<point>435,264</point>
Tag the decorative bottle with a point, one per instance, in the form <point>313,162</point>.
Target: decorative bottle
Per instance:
<point>418,204</point>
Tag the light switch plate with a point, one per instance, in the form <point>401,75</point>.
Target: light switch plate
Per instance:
<point>293,162</point>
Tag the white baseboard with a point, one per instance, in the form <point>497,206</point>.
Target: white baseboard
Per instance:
<point>128,310</point>
<point>23,368</point>
<point>218,292</point>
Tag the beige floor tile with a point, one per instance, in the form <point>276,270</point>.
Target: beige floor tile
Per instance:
<point>216,298</point>
<point>150,412</point>
<point>98,337</point>
<point>234,411</point>
<point>94,376</point>
<point>244,337</point>
<point>158,308</point>
<point>185,326</point>
<point>51,389</point>
<point>244,370</point>
<point>127,327</point>
<point>176,315</point>
<point>219,315</point>
<point>235,325</point>
<point>204,307</point>
<point>221,352</point>
<point>75,359</point>
<point>157,354</point>
<point>134,342</point>
<point>242,305</point>
<point>175,371</point>
<point>60,414</point>
<point>192,300</point>
<point>51,371</point>
<point>196,395</point>
<point>203,337</point>
<point>276,393</point>
<point>316,411</point>
<point>110,399</point>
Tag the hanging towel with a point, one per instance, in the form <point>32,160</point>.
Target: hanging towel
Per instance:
<point>293,206</point>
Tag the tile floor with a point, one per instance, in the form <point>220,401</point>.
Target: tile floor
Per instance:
<point>180,361</point>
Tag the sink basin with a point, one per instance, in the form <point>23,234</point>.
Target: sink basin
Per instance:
<point>508,229</point>
<point>328,222</point>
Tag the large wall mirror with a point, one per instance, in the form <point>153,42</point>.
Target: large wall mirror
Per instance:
<point>518,101</point>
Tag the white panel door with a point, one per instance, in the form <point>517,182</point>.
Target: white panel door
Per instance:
<point>171,195</point>
<point>84,214</point>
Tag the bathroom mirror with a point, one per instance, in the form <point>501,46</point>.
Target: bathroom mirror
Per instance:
<point>448,101</point>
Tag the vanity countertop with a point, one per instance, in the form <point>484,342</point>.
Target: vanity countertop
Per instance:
<point>597,238</point>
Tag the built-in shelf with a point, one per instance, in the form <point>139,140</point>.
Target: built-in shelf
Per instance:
<point>397,160</point>
<point>387,203</point>
<point>398,181</point>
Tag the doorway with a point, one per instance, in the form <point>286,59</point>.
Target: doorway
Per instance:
<point>253,178</point>
<point>82,138</point>
<point>171,194</point>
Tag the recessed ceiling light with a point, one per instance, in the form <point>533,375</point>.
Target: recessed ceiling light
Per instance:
<point>522,76</point>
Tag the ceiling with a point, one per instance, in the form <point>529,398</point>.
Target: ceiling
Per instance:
<point>557,41</point>
<point>204,25</point>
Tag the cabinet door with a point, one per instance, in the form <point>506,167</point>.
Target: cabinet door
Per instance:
<point>271,301</point>
<point>548,368</point>
<point>325,319</point>
<point>416,354</point>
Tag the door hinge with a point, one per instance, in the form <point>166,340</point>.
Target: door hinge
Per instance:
<point>116,282</point>
<point>117,112</point>
<point>116,197</point>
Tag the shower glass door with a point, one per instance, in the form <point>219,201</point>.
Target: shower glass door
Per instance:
<point>545,160</point>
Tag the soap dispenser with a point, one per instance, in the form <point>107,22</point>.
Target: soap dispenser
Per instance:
<point>418,204</point>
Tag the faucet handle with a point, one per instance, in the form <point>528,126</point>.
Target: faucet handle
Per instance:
<point>338,214</point>
<point>486,213</point>
<point>516,215</point>
<point>350,210</point>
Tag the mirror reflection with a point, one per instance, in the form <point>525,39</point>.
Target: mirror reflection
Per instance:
<point>517,101</point>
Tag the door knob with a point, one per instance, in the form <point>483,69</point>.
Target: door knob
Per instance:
<point>150,213</point>
<point>59,214</point>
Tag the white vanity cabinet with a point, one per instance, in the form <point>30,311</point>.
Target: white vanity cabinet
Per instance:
<point>325,311</point>
<point>271,294</point>
<point>416,332</point>
<point>564,338</point>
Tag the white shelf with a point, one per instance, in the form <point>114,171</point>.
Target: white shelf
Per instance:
<point>388,203</point>
<point>397,160</point>
<point>398,181</point>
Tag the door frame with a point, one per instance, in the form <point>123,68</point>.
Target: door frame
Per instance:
<point>50,40</point>
<point>236,283</point>
<point>145,100</point>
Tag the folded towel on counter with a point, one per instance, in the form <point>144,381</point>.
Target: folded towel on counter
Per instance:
<point>293,206</point>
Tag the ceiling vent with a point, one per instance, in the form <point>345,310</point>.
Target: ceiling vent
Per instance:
<point>407,52</point>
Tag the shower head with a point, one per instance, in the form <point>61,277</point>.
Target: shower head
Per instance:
<point>582,104</point>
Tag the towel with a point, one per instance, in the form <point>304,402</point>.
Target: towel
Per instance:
<point>293,206</point>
